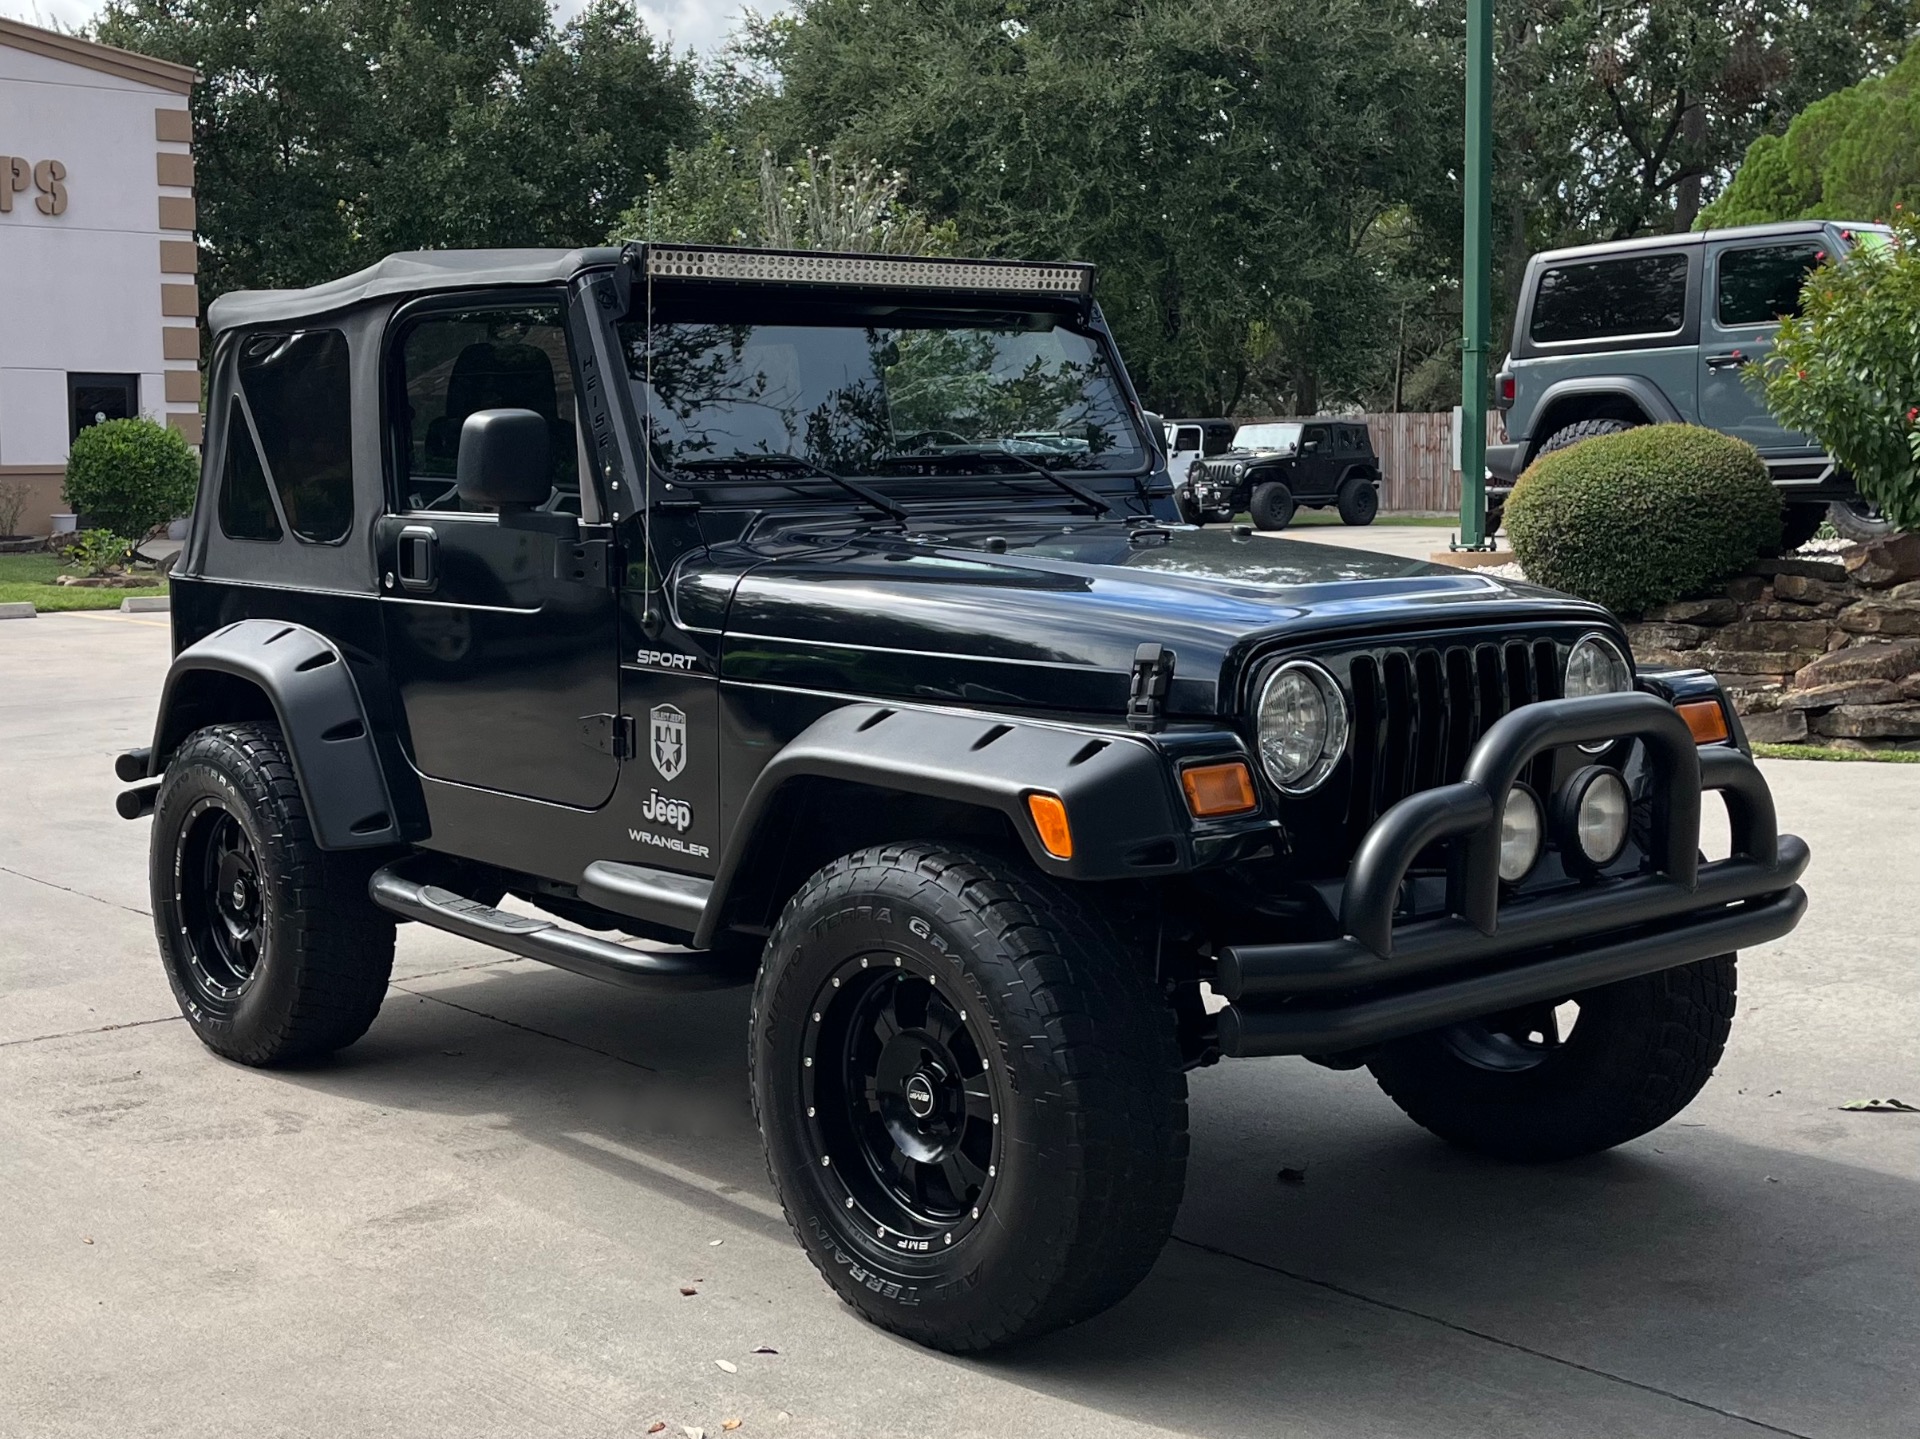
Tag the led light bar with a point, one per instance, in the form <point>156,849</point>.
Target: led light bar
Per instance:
<point>893,272</point>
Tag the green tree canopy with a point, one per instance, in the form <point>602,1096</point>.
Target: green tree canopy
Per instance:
<point>1854,155</point>
<point>329,134</point>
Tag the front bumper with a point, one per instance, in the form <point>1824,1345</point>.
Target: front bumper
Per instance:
<point>1383,980</point>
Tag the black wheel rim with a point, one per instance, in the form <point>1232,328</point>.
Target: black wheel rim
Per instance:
<point>1519,1040</point>
<point>221,908</point>
<point>902,1106</point>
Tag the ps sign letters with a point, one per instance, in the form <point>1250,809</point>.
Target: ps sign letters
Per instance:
<point>48,177</point>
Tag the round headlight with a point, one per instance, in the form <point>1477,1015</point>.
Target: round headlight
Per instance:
<point>1595,666</point>
<point>1594,814</point>
<point>1239,470</point>
<point>1301,726</point>
<point>1519,834</point>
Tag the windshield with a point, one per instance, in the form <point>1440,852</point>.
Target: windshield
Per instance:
<point>849,397</point>
<point>1267,437</point>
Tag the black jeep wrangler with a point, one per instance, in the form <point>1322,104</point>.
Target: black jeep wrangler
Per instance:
<point>825,621</point>
<point>1274,467</point>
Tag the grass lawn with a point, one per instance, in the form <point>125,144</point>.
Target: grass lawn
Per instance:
<point>1814,751</point>
<point>30,577</point>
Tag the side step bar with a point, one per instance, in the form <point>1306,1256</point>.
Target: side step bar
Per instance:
<point>542,939</point>
<point>674,900</point>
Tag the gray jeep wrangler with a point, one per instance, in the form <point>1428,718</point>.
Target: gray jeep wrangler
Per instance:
<point>1663,328</point>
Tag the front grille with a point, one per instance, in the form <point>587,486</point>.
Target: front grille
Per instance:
<point>1419,708</point>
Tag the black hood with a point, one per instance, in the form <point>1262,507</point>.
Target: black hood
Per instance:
<point>1054,619</point>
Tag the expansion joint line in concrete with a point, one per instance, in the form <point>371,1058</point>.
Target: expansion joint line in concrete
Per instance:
<point>68,889</point>
<point>1472,1333</point>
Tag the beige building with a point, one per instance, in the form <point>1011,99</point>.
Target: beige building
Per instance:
<point>99,309</point>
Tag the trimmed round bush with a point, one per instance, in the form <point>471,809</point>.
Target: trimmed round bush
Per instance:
<point>129,476</point>
<point>1634,520</point>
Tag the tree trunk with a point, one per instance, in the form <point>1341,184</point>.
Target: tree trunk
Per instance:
<point>1686,194</point>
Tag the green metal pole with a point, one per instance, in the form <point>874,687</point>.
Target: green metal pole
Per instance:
<point>1476,276</point>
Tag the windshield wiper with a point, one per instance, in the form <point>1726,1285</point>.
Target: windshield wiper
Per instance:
<point>1098,502</point>
<point>742,459</point>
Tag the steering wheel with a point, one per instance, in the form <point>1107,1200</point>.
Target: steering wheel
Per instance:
<point>924,439</point>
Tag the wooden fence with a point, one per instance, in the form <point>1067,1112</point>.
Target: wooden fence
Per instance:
<point>1416,459</point>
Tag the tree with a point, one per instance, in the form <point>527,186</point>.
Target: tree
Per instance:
<point>1854,155</point>
<point>333,132</point>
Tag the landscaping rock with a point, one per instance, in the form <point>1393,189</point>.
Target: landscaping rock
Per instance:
<point>1797,568</point>
<point>1885,562</point>
<point>1880,617</point>
<point>1778,663</point>
<point>1776,635</point>
<point>1745,589</point>
<point>1793,610</point>
<point>1695,612</point>
<point>1752,697</point>
<point>1778,727</point>
<point>1807,590</point>
<point>1899,721</point>
<point>1846,692</point>
<point>1664,637</point>
<point>1871,661</point>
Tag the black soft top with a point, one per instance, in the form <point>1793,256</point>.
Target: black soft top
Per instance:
<point>414,272</point>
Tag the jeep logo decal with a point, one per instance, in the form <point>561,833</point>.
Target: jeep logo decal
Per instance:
<point>674,813</point>
<point>669,747</point>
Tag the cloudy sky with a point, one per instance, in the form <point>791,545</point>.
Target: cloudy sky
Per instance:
<point>700,24</point>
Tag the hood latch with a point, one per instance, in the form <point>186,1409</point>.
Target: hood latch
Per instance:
<point>1147,693</point>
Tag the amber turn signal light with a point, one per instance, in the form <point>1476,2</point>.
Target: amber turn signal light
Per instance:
<point>1705,719</point>
<point>1214,790</point>
<point>1050,819</point>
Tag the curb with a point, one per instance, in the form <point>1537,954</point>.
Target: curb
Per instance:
<point>145,604</point>
<point>19,610</point>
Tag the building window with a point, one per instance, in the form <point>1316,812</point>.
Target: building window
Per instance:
<point>94,398</point>
<point>296,388</point>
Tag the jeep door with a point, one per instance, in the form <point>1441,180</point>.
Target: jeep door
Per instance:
<point>1183,450</point>
<point>1318,462</point>
<point>501,628</point>
<point>1750,288</point>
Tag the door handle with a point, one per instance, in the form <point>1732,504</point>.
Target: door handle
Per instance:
<point>417,561</point>
<point>1727,362</point>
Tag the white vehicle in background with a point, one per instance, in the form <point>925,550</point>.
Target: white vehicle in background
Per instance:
<point>1191,440</point>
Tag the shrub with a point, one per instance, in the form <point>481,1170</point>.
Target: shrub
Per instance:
<point>1847,370</point>
<point>13,504</point>
<point>129,476</point>
<point>97,552</point>
<point>1639,519</point>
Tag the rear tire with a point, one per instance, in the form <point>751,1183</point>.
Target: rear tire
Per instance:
<point>1359,501</point>
<point>1584,430</point>
<point>1858,521</point>
<point>970,1093</point>
<point>274,951</point>
<point>1271,507</point>
<point>1637,1054</point>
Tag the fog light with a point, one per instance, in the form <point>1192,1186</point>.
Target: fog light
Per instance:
<point>1519,834</point>
<point>1596,813</point>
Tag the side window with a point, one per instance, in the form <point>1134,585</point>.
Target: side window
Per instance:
<point>1761,285</point>
<point>1315,434</point>
<point>246,509</point>
<point>1219,439</point>
<point>1606,299</point>
<point>1187,437</point>
<point>296,389</point>
<point>454,363</point>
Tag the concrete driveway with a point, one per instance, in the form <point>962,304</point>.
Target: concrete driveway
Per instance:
<point>478,1221</point>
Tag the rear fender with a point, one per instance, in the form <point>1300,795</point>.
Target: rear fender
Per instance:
<point>259,667</point>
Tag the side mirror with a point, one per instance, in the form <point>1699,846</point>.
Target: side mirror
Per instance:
<point>1307,447</point>
<point>503,460</point>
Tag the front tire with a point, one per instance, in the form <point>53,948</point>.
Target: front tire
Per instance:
<point>1856,520</point>
<point>970,1093</point>
<point>1525,1086</point>
<point>1271,506</point>
<point>273,949</point>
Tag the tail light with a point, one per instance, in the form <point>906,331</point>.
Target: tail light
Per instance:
<point>1504,390</point>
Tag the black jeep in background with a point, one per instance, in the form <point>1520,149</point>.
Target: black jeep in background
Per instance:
<point>1275,467</point>
<point>686,617</point>
<point>1667,328</point>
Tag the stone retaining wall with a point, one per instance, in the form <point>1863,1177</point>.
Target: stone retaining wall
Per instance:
<point>1815,651</point>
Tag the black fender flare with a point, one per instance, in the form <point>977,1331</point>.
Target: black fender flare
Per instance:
<point>1117,787</point>
<point>306,681</point>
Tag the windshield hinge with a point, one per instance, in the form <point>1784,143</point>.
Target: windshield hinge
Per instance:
<point>1147,694</point>
<point>610,734</point>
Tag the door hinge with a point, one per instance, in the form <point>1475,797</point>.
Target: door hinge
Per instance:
<point>584,562</point>
<point>1147,693</point>
<point>610,734</point>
